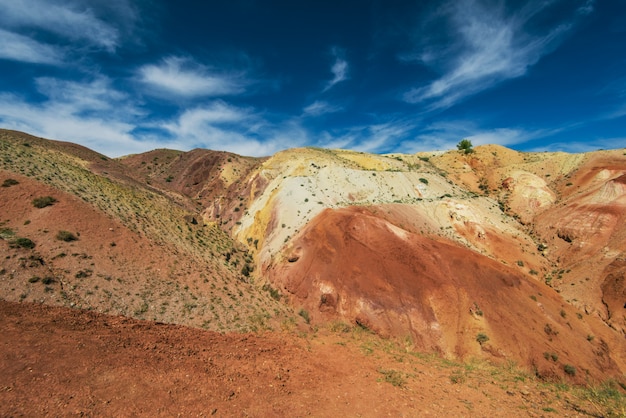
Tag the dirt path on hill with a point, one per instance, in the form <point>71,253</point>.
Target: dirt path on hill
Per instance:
<point>63,362</point>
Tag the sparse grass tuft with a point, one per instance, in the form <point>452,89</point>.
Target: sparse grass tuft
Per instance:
<point>607,397</point>
<point>274,293</point>
<point>66,236</point>
<point>21,242</point>
<point>339,326</point>
<point>6,233</point>
<point>9,182</point>
<point>395,377</point>
<point>42,202</point>
<point>569,369</point>
<point>305,315</point>
<point>482,338</point>
<point>457,377</point>
<point>553,356</point>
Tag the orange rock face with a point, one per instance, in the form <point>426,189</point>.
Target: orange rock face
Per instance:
<point>350,265</point>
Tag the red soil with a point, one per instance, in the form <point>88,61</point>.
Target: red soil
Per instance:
<point>64,362</point>
<point>349,264</point>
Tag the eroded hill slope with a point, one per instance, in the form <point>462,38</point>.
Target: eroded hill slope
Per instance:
<point>133,249</point>
<point>416,245</point>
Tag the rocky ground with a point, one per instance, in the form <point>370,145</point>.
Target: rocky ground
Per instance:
<point>65,362</point>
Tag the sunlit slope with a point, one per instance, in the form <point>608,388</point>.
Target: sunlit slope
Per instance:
<point>475,213</point>
<point>139,250</point>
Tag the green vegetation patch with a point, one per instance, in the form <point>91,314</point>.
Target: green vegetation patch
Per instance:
<point>9,182</point>
<point>22,242</point>
<point>42,202</point>
<point>482,338</point>
<point>465,146</point>
<point>66,236</point>
<point>395,377</point>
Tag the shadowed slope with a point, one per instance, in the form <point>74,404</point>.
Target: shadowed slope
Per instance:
<point>200,174</point>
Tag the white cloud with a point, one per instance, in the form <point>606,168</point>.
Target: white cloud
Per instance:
<point>320,107</point>
<point>221,126</point>
<point>21,48</point>
<point>447,134</point>
<point>109,136</point>
<point>72,20</point>
<point>379,137</point>
<point>505,136</point>
<point>92,113</point>
<point>585,144</point>
<point>194,122</point>
<point>488,47</point>
<point>339,69</point>
<point>81,97</point>
<point>183,77</point>
<point>98,115</point>
<point>586,8</point>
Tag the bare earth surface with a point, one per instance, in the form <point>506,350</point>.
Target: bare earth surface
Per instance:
<point>65,362</point>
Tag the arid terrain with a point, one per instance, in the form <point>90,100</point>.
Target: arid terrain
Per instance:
<point>312,282</point>
<point>67,362</point>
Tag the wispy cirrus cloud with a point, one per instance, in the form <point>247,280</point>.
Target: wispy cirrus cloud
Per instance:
<point>183,77</point>
<point>444,135</point>
<point>384,136</point>
<point>70,20</point>
<point>222,126</point>
<point>339,68</point>
<point>95,95</point>
<point>489,45</point>
<point>320,107</point>
<point>21,48</point>
<point>582,145</point>
<point>586,8</point>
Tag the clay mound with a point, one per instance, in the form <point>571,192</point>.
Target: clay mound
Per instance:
<point>586,230</point>
<point>348,264</point>
<point>200,174</point>
<point>528,195</point>
<point>614,294</point>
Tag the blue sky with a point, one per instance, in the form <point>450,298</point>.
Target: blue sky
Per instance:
<point>254,76</point>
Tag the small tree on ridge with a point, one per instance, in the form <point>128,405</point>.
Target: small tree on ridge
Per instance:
<point>465,145</point>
